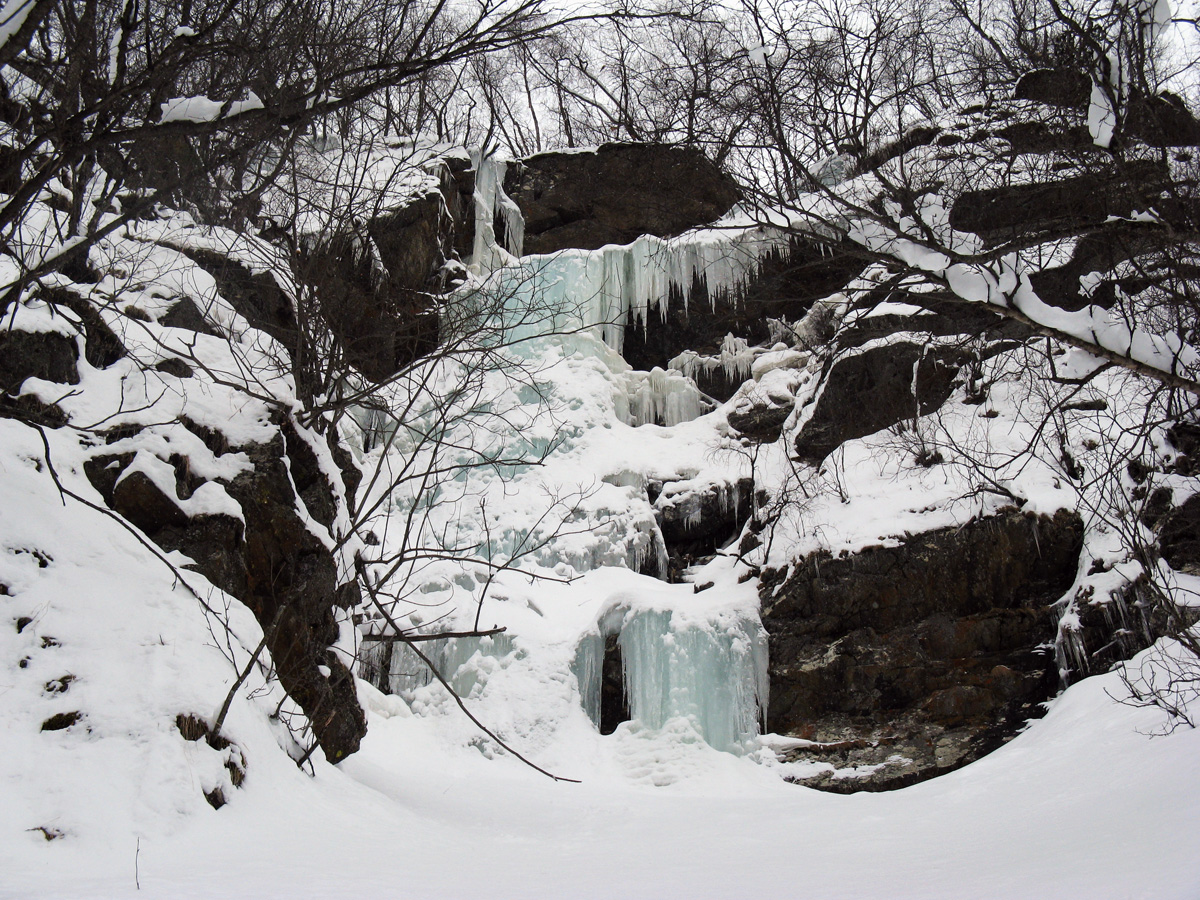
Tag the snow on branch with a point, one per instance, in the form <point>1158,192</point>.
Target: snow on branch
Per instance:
<point>202,109</point>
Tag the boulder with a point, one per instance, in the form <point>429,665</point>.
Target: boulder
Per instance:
<point>1056,87</point>
<point>25,354</point>
<point>256,295</point>
<point>273,563</point>
<point>1081,201</point>
<point>932,652</point>
<point>760,408</point>
<point>865,392</point>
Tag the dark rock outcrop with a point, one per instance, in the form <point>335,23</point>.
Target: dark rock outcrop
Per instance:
<point>1055,87</point>
<point>923,656</point>
<point>697,519</point>
<point>761,419</point>
<point>1004,213</point>
<point>616,193</point>
<point>381,309</point>
<point>373,289</point>
<point>1179,537</point>
<point>1160,121</point>
<point>25,354</point>
<point>868,391</point>
<point>271,562</point>
<point>256,295</point>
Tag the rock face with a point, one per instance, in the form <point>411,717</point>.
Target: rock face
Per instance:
<point>271,562</point>
<point>382,310</point>
<point>1004,213</point>
<point>697,519</point>
<point>616,193</point>
<point>874,389</point>
<point>1179,537</point>
<point>919,658</point>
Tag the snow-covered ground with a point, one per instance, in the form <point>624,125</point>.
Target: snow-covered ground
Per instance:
<point>1086,804</point>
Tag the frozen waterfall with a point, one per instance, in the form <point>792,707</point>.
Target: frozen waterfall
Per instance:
<point>491,203</point>
<point>713,672</point>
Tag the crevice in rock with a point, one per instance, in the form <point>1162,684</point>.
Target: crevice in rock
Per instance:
<point>614,701</point>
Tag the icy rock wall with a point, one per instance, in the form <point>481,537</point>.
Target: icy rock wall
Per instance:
<point>714,673</point>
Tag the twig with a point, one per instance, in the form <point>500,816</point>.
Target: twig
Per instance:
<point>268,633</point>
<point>415,638</point>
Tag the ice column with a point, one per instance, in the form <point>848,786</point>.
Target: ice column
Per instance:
<point>455,658</point>
<point>662,397</point>
<point>714,672</point>
<point>490,200</point>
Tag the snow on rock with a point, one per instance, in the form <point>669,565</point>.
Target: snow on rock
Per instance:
<point>109,648</point>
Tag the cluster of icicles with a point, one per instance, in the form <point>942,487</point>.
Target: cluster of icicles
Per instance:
<point>608,288</point>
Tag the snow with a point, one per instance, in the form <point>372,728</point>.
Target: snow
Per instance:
<point>1041,816</point>
<point>36,316</point>
<point>12,16</point>
<point>1101,118</point>
<point>202,109</point>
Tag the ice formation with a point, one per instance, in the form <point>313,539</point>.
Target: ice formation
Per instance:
<point>461,661</point>
<point>660,397</point>
<point>713,672</point>
<point>604,290</point>
<point>561,319</point>
<point>736,360</point>
<point>490,202</point>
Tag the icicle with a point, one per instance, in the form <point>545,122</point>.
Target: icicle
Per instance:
<point>606,289</point>
<point>661,397</point>
<point>490,200</point>
<point>588,668</point>
<point>736,359</point>
<point>514,221</point>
